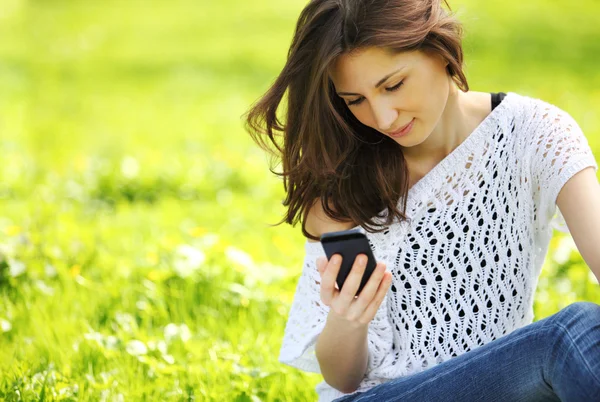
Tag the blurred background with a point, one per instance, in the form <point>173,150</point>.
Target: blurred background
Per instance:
<point>137,260</point>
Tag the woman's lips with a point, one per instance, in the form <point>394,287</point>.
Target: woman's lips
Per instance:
<point>404,130</point>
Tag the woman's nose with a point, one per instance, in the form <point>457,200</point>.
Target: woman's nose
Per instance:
<point>385,116</point>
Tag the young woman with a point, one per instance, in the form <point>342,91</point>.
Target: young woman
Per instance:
<point>458,192</point>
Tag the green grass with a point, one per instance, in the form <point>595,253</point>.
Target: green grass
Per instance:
<point>136,257</point>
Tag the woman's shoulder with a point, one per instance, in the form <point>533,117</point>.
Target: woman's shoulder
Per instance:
<point>317,221</point>
<point>528,116</point>
<point>529,107</point>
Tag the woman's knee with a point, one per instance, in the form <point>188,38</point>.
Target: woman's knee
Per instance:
<point>573,360</point>
<point>579,316</point>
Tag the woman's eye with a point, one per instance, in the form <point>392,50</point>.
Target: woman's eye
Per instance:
<point>355,102</point>
<point>395,87</point>
<point>390,89</point>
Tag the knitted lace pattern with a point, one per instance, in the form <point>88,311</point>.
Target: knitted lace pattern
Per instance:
<point>466,264</point>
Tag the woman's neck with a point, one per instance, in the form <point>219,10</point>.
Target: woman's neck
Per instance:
<point>464,111</point>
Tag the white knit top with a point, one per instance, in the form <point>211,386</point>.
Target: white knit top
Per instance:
<point>466,265</point>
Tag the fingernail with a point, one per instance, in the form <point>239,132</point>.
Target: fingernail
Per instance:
<point>336,259</point>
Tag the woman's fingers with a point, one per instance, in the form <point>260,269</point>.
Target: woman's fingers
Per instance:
<point>368,292</point>
<point>382,290</point>
<point>353,280</point>
<point>321,264</point>
<point>364,307</point>
<point>328,279</point>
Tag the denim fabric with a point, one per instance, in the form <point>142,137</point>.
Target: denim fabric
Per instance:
<point>554,359</point>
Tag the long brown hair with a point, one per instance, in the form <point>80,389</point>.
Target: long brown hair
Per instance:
<point>358,174</point>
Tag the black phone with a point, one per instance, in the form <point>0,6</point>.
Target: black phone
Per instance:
<point>349,244</point>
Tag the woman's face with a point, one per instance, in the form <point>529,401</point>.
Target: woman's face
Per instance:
<point>388,91</point>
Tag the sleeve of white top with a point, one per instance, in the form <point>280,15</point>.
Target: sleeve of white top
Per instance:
<point>559,151</point>
<point>308,316</point>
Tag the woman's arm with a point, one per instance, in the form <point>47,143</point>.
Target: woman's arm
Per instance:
<point>342,352</point>
<point>579,203</point>
<point>342,348</point>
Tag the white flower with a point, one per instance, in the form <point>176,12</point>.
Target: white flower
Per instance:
<point>169,359</point>
<point>565,247</point>
<point>130,167</point>
<point>111,342</point>
<point>174,331</point>
<point>136,348</point>
<point>104,395</point>
<point>171,331</point>
<point>209,240</point>
<point>187,260</point>
<point>162,347</point>
<point>126,321</point>
<point>38,377</point>
<point>69,391</point>
<point>5,326</point>
<point>96,337</point>
<point>41,285</point>
<point>50,271</point>
<point>253,273</point>
<point>239,257</point>
<point>184,333</point>
<point>563,285</point>
<point>16,267</point>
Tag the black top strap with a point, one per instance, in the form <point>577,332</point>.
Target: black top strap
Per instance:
<point>497,98</point>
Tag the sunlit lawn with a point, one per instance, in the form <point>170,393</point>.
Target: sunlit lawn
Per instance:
<point>137,260</point>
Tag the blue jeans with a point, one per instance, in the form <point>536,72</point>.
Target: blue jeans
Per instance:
<point>553,359</point>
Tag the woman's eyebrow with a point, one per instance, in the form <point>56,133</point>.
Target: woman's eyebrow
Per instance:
<point>381,81</point>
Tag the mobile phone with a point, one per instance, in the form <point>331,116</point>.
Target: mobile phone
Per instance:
<point>349,244</point>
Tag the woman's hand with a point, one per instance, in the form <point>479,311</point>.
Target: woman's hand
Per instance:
<point>358,310</point>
